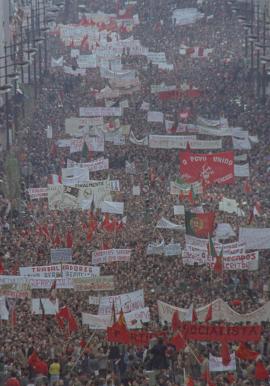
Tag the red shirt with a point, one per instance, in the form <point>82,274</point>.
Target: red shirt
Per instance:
<point>13,382</point>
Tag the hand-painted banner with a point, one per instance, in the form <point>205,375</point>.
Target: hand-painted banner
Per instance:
<point>155,116</point>
<point>100,112</point>
<point>110,256</point>
<point>220,311</point>
<point>87,61</point>
<point>74,175</point>
<point>98,283</point>
<point>93,166</point>
<point>163,223</point>
<point>248,261</point>
<point>45,271</point>
<point>241,170</point>
<point>177,142</point>
<point>37,193</point>
<point>209,168</point>
<point>61,255</point>
<point>79,127</point>
<point>138,338</point>
<point>127,302</point>
<point>61,197</point>
<point>16,291</point>
<point>102,322</point>
<point>112,207</point>
<point>227,249</point>
<point>255,238</point>
<point>50,308</point>
<point>216,365</point>
<point>76,270</point>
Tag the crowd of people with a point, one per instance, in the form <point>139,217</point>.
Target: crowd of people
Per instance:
<point>86,357</point>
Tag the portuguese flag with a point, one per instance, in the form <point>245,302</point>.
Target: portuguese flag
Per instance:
<point>199,224</point>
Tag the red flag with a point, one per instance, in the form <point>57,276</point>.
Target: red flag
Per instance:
<point>66,315</point>
<point>69,241</point>
<point>121,319</point>
<point>218,267</point>
<point>194,315</point>
<point>179,342</point>
<point>225,354</point>
<point>247,187</point>
<point>57,240</point>
<point>208,168</point>
<point>85,43</point>
<point>40,367</point>
<point>261,373</point>
<point>245,353</point>
<point>199,224</point>
<point>175,321</point>
<point>190,197</point>
<point>209,314</point>
<point>190,382</point>
<point>32,359</point>
<point>207,377</point>
<point>2,269</point>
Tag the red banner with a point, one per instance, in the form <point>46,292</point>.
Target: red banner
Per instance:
<point>209,168</point>
<point>220,333</point>
<point>177,94</point>
<point>133,337</point>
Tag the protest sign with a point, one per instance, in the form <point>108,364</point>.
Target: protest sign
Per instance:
<point>50,308</point>
<point>127,302</point>
<point>76,270</point>
<point>93,166</point>
<point>110,256</point>
<point>98,283</point>
<point>61,255</point>
<point>178,142</point>
<point>45,271</point>
<point>16,290</point>
<point>216,365</point>
<point>37,193</point>
<point>112,207</point>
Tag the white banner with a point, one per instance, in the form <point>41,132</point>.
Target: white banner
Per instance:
<point>140,142</point>
<point>166,224</point>
<point>157,88</point>
<point>178,210</point>
<point>37,193</point>
<point>127,302</point>
<point>100,112</point>
<point>111,256</point>
<point>75,270</point>
<point>57,62</point>
<point>75,72</point>
<point>125,75</point>
<point>94,300</point>
<point>221,311</point>
<point>172,249</point>
<point>156,57</point>
<point>61,255</point>
<point>87,61</point>
<point>255,238</point>
<point>230,206</point>
<point>177,142</point>
<point>112,207</point>
<point>101,322</point>
<point>241,144</point>
<point>74,175</point>
<point>184,16</point>
<point>36,283</point>
<point>155,116</point>
<point>224,231</point>
<point>241,170</point>
<point>50,308</point>
<point>215,364</point>
<point>247,261</point>
<point>136,190</point>
<point>93,166</point>
<point>62,197</point>
<point>79,127</point>
<point>46,271</point>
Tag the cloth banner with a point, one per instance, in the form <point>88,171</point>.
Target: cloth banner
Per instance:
<point>87,61</point>
<point>178,210</point>
<point>93,143</point>
<point>136,190</point>
<point>61,197</point>
<point>230,206</point>
<point>140,142</point>
<point>61,255</point>
<point>255,238</point>
<point>79,127</point>
<point>178,187</point>
<point>94,300</point>
<point>98,283</point>
<point>216,365</point>
<point>155,248</point>
<point>74,175</point>
<point>184,16</point>
<point>50,308</point>
<point>241,157</point>
<point>241,170</point>
<point>157,88</point>
<point>45,271</point>
<point>57,62</point>
<point>127,302</point>
<point>35,283</point>
<point>166,224</point>
<point>155,116</point>
<point>172,249</point>
<point>236,248</point>
<point>76,270</point>
<point>100,112</point>
<point>125,75</point>
<point>178,142</point>
<point>246,261</point>
<point>224,231</point>
<point>140,338</point>
<point>16,290</point>
<point>110,256</point>
<point>37,193</point>
<point>112,207</point>
<point>93,166</point>
<point>4,314</point>
<point>220,311</point>
<point>219,123</point>
<point>75,72</point>
<point>241,144</point>
<point>209,168</point>
<point>102,322</point>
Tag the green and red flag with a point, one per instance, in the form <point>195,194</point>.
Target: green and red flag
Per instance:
<point>199,224</point>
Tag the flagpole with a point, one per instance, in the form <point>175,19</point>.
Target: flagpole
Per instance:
<point>83,349</point>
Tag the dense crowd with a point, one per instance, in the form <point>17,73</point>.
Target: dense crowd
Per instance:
<point>89,359</point>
